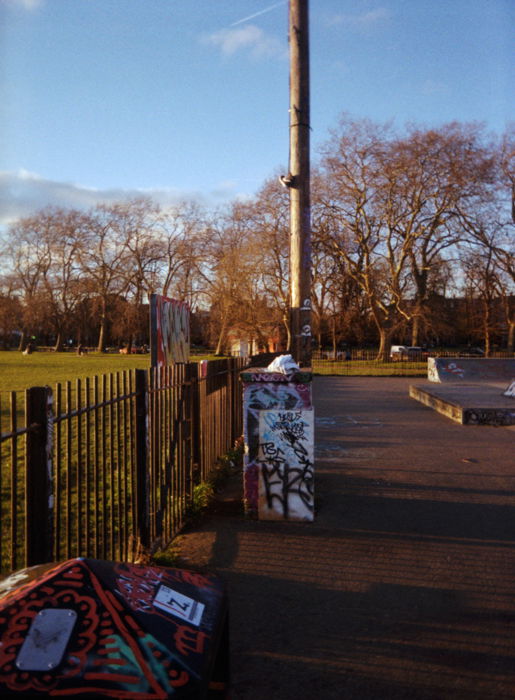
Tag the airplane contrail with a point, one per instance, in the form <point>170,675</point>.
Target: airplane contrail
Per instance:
<point>257,14</point>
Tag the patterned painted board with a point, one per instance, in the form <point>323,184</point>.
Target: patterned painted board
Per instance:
<point>105,629</point>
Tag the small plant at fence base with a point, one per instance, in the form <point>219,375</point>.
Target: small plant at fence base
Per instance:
<point>204,493</point>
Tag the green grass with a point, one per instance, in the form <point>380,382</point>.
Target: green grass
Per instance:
<point>19,372</point>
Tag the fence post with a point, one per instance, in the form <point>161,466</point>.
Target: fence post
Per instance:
<point>142,473</point>
<point>39,499</point>
<point>194,416</point>
<point>229,421</point>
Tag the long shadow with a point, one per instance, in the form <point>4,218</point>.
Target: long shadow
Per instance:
<point>349,633</point>
<point>344,501</point>
<point>291,640</point>
<point>399,590</point>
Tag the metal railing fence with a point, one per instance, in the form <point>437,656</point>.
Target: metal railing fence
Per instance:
<point>105,466</point>
<point>359,362</point>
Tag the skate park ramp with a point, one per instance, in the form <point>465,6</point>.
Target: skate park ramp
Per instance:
<point>470,391</point>
<point>467,369</point>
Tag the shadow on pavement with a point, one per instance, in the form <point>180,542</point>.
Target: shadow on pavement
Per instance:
<point>403,587</point>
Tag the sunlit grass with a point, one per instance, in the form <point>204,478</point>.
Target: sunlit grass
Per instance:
<point>19,372</point>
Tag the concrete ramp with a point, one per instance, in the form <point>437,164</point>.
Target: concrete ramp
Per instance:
<point>469,391</point>
<point>466,369</point>
<point>468,404</point>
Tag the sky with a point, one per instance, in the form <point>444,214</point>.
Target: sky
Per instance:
<point>104,100</point>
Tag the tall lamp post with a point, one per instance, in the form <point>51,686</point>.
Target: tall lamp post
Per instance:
<point>298,182</point>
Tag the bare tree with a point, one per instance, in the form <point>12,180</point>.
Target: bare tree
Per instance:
<point>180,231</point>
<point>104,256</point>
<point>232,275</point>
<point>431,175</point>
<point>356,227</point>
<point>391,206</point>
<point>488,247</point>
<point>28,259</point>
<point>269,227</point>
<point>63,287</point>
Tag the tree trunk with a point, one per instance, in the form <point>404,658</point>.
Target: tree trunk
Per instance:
<point>511,336</point>
<point>385,343</point>
<point>486,329</point>
<point>221,338</point>
<point>415,330</point>
<point>58,347</point>
<point>102,334</point>
<point>288,332</point>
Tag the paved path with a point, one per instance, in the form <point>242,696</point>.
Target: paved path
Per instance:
<point>403,587</point>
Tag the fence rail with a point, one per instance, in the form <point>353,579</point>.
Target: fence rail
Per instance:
<point>103,465</point>
<point>364,362</point>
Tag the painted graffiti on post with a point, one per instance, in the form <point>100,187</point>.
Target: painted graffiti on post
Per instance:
<point>285,459</point>
<point>169,331</point>
<point>279,446</point>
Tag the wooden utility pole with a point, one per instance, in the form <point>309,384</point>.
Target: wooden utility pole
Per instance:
<point>298,181</point>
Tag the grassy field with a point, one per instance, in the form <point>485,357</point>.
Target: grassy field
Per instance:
<point>18,372</point>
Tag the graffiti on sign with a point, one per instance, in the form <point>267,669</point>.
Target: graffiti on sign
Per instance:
<point>285,458</point>
<point>278,459</point>
<point>169,331</point>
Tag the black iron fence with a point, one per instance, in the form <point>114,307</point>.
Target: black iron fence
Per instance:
<point>103,467</point>
<point>365,363</point>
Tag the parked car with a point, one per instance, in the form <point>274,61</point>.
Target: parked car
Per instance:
<point>408,352</point>
<point>475,352</point>
<point>338,355</point>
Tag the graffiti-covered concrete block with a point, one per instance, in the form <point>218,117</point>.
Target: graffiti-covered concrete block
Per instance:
<point>264,393</point>
<point>286,465</point>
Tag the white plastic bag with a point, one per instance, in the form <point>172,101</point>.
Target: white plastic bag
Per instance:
<point>284,364</point>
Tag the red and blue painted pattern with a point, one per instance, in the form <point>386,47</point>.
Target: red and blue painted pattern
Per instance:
<point>140,632</point>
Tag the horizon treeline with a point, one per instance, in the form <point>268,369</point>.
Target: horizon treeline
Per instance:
<point>413,240</point>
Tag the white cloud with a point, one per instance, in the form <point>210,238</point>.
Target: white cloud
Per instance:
<point>24,4</point>
<point>258,14</point>
<point>363,22</point>
<point>23,193</point>
<point>249,38</point>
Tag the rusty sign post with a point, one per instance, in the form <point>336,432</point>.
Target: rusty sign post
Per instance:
<point>298,181</point>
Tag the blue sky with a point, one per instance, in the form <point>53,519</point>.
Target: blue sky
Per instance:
<point>106,99</point>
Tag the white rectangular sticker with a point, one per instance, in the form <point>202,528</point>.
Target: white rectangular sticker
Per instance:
<point>179,605</point>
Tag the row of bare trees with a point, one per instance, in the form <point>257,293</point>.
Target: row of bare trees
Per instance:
<point>413,240</point>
